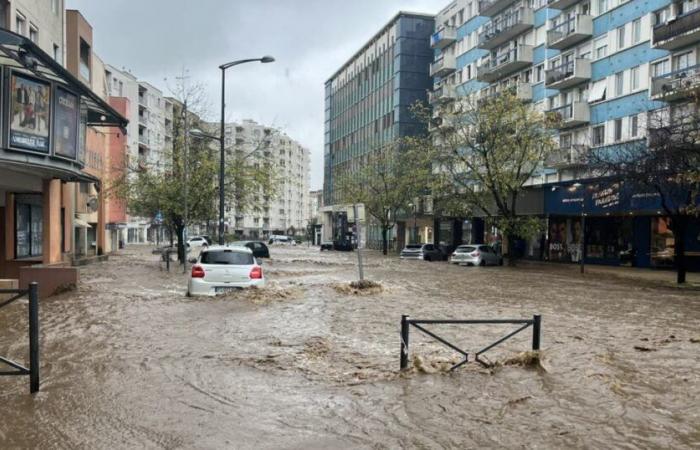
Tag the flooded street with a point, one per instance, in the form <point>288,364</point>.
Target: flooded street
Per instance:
<point>128,361</point>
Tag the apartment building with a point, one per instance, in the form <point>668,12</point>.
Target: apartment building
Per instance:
<point>286,212</point>
<point>149,136</point>
<point>602,66</point>
<point>41,21</point>
<point>367,107</point>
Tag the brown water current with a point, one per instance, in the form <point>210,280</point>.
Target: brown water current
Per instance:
<point>129,362</point>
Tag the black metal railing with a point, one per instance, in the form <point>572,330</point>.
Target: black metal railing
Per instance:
<point>406,322</point>
<point>33,371</point>
<point>565,112</point>
<point>682,24</point>
<point>560,72</point>
<point>502,23</point>
<point>673,81</point>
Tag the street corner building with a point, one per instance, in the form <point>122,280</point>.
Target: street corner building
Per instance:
<point>59,139</point>
<point>603,67</point>
<point>367,107</point>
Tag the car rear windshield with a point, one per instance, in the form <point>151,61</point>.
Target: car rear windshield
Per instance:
<point>414,247</point>
<point>228,257</point>
<point>465,249</point>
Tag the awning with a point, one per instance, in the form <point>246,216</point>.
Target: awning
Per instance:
<point>19,52</point>
<point>51,172</point>
<point>80,223</point>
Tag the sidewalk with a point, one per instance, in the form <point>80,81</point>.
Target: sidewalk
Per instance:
<point>657,277</point>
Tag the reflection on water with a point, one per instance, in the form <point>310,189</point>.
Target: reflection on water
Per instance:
<point>129,361</point>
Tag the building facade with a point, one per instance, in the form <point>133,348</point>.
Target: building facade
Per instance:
<point>604,67</point>
<point>286,212</point>
<point>367,107</point>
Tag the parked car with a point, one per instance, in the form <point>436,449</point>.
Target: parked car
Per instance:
<point>426,252</point>
<point>327,245</point>
<point>476,255</point>
<point>222,269</point>
<point>197,241</point>
<point>258,248</point>
<point>279,239</point>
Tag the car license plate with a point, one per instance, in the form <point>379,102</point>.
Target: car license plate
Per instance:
<point>221,290</point>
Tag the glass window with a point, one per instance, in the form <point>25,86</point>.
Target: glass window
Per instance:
<point>601,47</point>
<point>636,31</point>
<point>619,83</point>
<point>20,25</point>
<point>602,6</point>
<point>621,37</point>
<point>618,130</point>
<point>227,257</point>
<point>681,62</point>
<point>634,126</point>
<point>598,137</point>
<point>660,68</point>
<point>634,78</point>
<point>29,231</point>
<point>33,35</point>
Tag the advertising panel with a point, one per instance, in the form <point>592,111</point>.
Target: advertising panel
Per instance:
<point>29,113</point>
<point>67,110</point>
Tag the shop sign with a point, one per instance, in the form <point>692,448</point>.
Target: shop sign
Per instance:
<point>67,112</point>
<point>29,113</point>
<point>607,197</point>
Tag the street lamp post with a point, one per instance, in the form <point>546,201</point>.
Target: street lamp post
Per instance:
<point>222,137</point>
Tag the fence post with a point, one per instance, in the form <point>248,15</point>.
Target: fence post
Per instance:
<point>167,259</point>
<point>33,337</point>
<point>404,342</point>
<point>536,328</point>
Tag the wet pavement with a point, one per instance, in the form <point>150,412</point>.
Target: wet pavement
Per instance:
<point>129,362</point>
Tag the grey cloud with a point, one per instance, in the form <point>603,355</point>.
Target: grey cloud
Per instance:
<point>310,39</point>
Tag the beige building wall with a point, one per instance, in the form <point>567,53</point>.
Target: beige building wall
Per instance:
<point>44,16</point>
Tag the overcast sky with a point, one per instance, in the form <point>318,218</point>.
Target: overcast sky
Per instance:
<point>310,39</point>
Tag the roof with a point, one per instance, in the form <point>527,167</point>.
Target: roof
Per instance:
<point>377,35</point>
<point>19,52</point>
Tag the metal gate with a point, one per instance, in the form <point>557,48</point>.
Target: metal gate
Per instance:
<point>535,322</point>
<point>33,371</point>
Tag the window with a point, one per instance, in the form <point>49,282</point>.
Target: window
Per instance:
<point>84,60</point>
<point>634,126</point>
<point>661,16</point>
<point>619,83</point>
<point>621,37</point>
<point>682,61</point>
<point>618,130</point>
<point>33,34</point>
<point>28,226</point>
<point>57,53</point>
<point>565,141</point>
<point>634,78</point>
<point>598,135</point>
<point>540,73</point>
<point>20,24</point>
<point>601,47</point>
<point>636,31</point>
<point>602,6</point>
<point>598,91</point>
<point>660,68</point>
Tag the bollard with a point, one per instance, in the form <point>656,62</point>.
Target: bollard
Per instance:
<point>33,337</point>
<point>167,259</point>
<point>404,342</point>
<point>536,328</point>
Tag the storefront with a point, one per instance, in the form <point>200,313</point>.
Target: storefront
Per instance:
<point>45,115</point>
<point>613,224</point>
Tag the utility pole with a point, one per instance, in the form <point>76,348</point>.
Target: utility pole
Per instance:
<point>359,240</point>
<point>185,164</point>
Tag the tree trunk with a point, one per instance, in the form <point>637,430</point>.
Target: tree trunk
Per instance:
<point>170,235</point>
<point>385,241</point>
<point>510,242</point>
<point>679,225</point>
<point>181,253</point>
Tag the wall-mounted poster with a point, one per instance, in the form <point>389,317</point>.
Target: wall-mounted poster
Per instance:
<point>66,124</point>
<point>29,113</point>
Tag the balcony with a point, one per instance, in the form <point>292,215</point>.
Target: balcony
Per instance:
<point>505,27</point>
<point>490,8</point>
<point>443,94</point>
<point>443,37</point>
<point>143,140</point>
<point>571,32</point>
<point>567,157</point>
<point>676,85</point>
<point>680,32</point>
<point>522,92</point>
<point>572,115</point>
<point>561,4</point>
<point>443,66</point>
<point>142,100</point>
<point>568,74</point>
<point>498,66</point>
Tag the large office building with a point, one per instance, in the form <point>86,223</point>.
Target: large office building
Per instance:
<point>367,107</point>
<point>603,67</point>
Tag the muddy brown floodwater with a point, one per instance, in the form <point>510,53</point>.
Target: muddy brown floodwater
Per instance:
<point>129,362</point>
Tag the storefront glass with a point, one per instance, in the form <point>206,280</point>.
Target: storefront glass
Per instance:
<point>29,230</point>
<point>565,239</point>
<point>662,244</point>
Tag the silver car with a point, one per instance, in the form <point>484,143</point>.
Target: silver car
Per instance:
<point>426,252</point>
<point>218,270</point>
<point>476,255</point>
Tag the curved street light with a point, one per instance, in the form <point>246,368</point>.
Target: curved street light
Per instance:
<point>223,67</point>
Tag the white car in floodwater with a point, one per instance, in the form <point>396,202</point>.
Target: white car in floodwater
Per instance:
<point>223,269</point>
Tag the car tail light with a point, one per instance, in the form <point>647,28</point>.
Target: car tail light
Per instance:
<point>198,272</point>
<point>256,273</point>
<point>476,254</point>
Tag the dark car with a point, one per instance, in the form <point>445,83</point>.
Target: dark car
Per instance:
<point>259,249</point>
<point>426,252</point>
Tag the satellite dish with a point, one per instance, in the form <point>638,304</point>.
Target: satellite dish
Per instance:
<point>92,204</point>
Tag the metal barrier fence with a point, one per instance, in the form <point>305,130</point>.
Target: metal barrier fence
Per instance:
<point>33,371</point>
<point>535,322</point>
